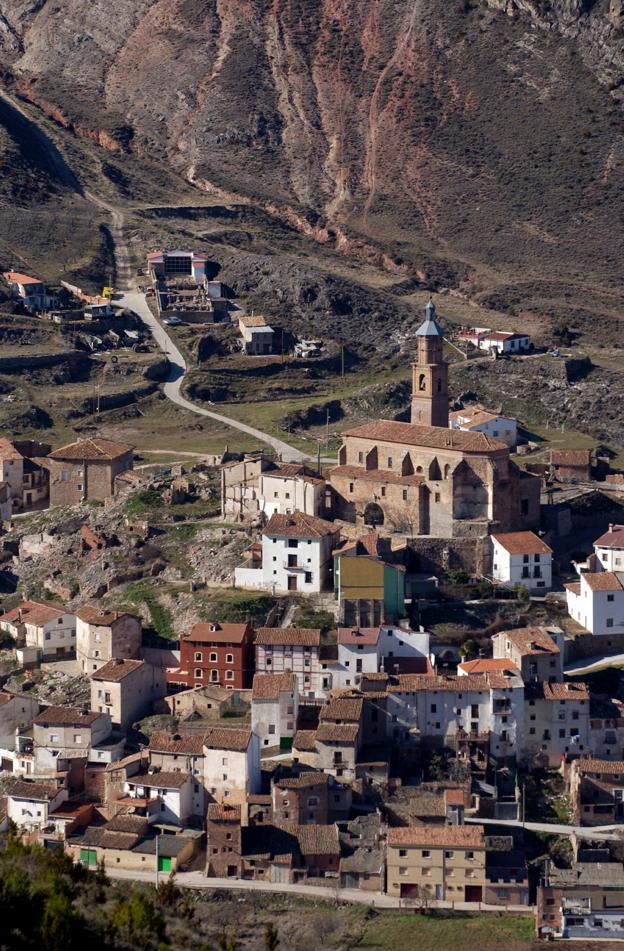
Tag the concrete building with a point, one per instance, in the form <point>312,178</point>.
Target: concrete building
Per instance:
<point>126,690</point>
<point>171,794</point>
<point>31,291</point>
<point>369,581</point>
<point>30,805</point>
<point>48,631</point>
<point>275,708</point>
<point>296,555</point>
<point>556,723</point>
<point>537,652</point>
<point>63,734</point>
<point>596,601</point>
<point>522,558</point>
<point>358,653</point>
<point>257,335</point>
<point>214,653</point>
<point>87,469</point>
<point>103,635</point>
<point>442,862</point>
<point>477,419</point>
<point>165,264</point>
<point>291,488</point>
<point>293,650</point>
<point>231,764</point>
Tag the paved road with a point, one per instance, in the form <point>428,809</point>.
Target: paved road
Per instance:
<point>581,832</point>
<point>354,895</point>
<point>597,662</point>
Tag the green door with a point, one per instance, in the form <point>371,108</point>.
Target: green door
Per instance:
<point>88,856</point>
<point>164,863</point>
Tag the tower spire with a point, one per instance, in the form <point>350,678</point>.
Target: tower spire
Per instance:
<point>430,374</point>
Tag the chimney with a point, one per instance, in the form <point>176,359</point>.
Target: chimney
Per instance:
<point>19,615</point>
<point>610,526</point>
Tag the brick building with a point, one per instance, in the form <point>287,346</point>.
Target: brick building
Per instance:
<point>87,469</point>
<point>214,653</point>
<point>571,465</point>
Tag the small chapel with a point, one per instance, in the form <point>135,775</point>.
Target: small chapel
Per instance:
<point>422,478</point>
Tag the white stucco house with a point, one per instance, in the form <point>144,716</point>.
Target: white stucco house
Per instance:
<point>171,790</point>
<point>256,333</point>
<point>522,558</point>
<point>296,555</point>
<point>480,420</point>
<point>290,488</point>
<point>596,601</point>
<point>232,764</point>
<point>291,650</point>
<point>502,341</point>
<point>30,805</point>
<point>274,708</point>
<point>48,630</point>
<point>609,550</point>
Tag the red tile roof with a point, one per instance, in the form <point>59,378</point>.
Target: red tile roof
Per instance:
<point>160,779</point>
<point>300,525</point>
<point>33,612</point>
<point>304,740</point>
<point>269,686</point>
<point>485,665</point>
<point>570,457</point>
<point>589,765</point>
<point>219,811</point>
<point>328,732</point>
<point>16,277</point>
<point>218,633</point>
<point>367,636</point>
<point>566,691</point>
<point>432,437</point>
<point>303,780</point>
<point>614,538</point>
<point>317,839</point>
<point>8,450</point>
<point>602,581</point>
<point>285,636</point>
<point>66,716</point>
<point>91,614</point>
<point>531,640</point>
<point>117,669</point>
<point>522,543</point>
<point>92,449</point>
<point>343,710</point>
<point>440,836</point>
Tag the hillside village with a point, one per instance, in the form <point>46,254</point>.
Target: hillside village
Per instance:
<point>388,671</point>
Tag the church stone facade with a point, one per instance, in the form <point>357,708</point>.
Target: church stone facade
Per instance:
<point>422,478</point>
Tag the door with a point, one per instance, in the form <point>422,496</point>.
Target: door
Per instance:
<point>292,582</point>
<point>88,857</point>
<point>409,891</point>
<point>473,892</point>
<point>164,863</point>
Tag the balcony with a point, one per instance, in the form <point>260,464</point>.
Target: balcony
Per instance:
<point>294,567</point>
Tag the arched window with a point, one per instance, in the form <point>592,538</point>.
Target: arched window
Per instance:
<point>421,382</point>
<point>447,470</point>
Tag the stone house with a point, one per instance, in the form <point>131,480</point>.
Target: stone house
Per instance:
<point>103,635</point>
<point>556,723</point>
<point>182,752</point>
<point>210,703</point>
<point>17,712</point>
<point>257,335</point>
<point>522,558</point>
<point>609,550</point>
<point>224,840</point>
<point>442,862</point>
<point>583,902</point>
<point>23,474</point>
<point>65,734</point>
<point>297,650</point>
<point>87,469</point>
<point>597,791</point>
<point>275,708</point>
<point>596,601</point>
<point>231,764</point>
<point>296,555</point>
<point>291,488</point>
<point>240,485</point>
<point>48,630</point>
<point>570,465</point>
<point>126,690</point>
<point>171,793</point>
<point>537,652</point>
<point>310,797</point>
<point>129,842</point>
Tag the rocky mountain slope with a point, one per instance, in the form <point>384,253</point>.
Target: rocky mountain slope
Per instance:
<point>473,144</point>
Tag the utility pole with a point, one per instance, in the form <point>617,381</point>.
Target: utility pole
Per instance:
<point>318,457</point>
<point>327,433</point>
<point>343,355</point>
<point>157,856</point>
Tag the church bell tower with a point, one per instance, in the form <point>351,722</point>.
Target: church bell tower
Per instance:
<point>430,404</point>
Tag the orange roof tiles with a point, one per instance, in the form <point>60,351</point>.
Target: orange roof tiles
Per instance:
<point>299,525</point>
<point>117,669</point>
<point>461,837</point>
<point>602,581</point>
<point>485,665</point>
<point>566,691</point>
<point>66,716</point>
<point>304,740</point>
<point>590,765</point>
<point>614,538</point>
<point>328,732</point>
<point>33,612</point>
<point>367,636</point>
<point>15,277</point>
<point>531,640</point>
<point>433,437</point>
<point>92,449</point>
<point>269,686</point>
<point>219,811</point>
<point>570,457</point>
<point>252,320</point>
<point>8,450</point>
<point>522,543</point>
<point>286,636</point>
<point>218,633</point>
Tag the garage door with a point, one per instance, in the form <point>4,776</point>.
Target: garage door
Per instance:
<point>164,863</point>
<point>88,856</point>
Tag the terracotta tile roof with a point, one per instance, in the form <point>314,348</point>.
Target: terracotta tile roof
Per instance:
<point>16,277</point>
<point>252,320</point>
<point>269,686</point>
<point>368,544</point>
<point>485,665</point>
<point>161,779</point>
<point>304,740</point>
<point>522,543</point>
<point>125,761</point>
<point>299,525</point>
<point>460,837</point>
<point>91,614</point>
<point>317,839</point>
<point>100,838</point>
<point>376,475</point>
<point>431,437</point>
<point>33,612</point>
<point>614,538</point>
<point>337,732</point>
<point>223,738</point>
<point>284,636</point>
<point>117,669</point>
<point>303,780</point>
<point>8,450</point>
<point>566,691</point>
<point>218,811</point>
<point>128,823</point>
<point>602,581</point>
<point>218,633</point>
<point>92,449</point>
<point>608,767</point>
<point>368,636</point>
<point>530,640</point>
<point>454,797</point>
<point>66,716</point>
<point>26,790</point>
<point>573,586</point>
<point>570,457</point>
<point>191,744</point>
<point>293,471</point>
<point>343,710</point>
<point>474,416</point>
<point>409,683</point>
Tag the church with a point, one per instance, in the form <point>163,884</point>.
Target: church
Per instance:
<point>422,478</point>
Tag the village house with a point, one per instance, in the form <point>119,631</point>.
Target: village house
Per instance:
<point>358,653</point>
<point>126,690</point>
<point>182,752</point>
<point>570,465</point>
<point>240,485</point>
<point>296,556</point>
<point>606,727</point>
<point>231,763</point>
<point>596,601</point>
<point>309,797</point>
<point>609,550</point>
<point>287,649</point>
<point>522,558</point>
<point>31,291</point>
<point>537,652</point>
<point>275,708</point>
<point>31,805</point>
<point>257,336</point>
<point>164,264</point>
<point>23,474</point>
<point>443,862</point>
<point>214,653</point>
<point>498,341</point>
<point>169,794</point>
<point>17,712</point>
<point>290,488</point>
<point>209,703</point>
<point>49,632</point>
<point>130,842</point>
<point>87,469</point>
<point>102,635</point>
<point>423,478</point>
<point>556,723</point>
<point>583,902</point>
<point>369,581</point>
<point>477,419</point>
<point>64,737</point>
<point>597,791</point>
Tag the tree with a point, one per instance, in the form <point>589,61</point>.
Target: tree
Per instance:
<point>227,940</point>
<point>138,922</point>
<point>168,893</point>
<point>468,649</point>
<point>271,937</point>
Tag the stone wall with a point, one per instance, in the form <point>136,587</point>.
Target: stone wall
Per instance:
<point>588,645</point>
<point>437,555</point>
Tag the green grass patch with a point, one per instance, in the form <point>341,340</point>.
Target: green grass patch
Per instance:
<point>236,606</point>
<point>143,502</point>
<point>141,592</point>
<point>456,933</point>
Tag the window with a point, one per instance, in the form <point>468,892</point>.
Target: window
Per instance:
<point>313,801</point>
<point>199,673</point>
<point>214,676</point>
<point>229,675</point>
<point>350,486</point>
<point>53,737</point>
<point>405,495</point>
<point>224,760</point>
<point>308,577</point>
<point>425,853</point>
<point>449,855</point>
<point>402,853</point>
<point>271,729</point>
<point>77,738</point>
<point>360,457</point>
<point>437,497</point>
<point>229,658</point>
<point>389,462</point>
<point>383,490</point>
<point>434,708</point>
<point>402,870</point>
<point>610,597</point>
<point>609,622</point>
<point>213,657</point>
<point>198,655</point>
